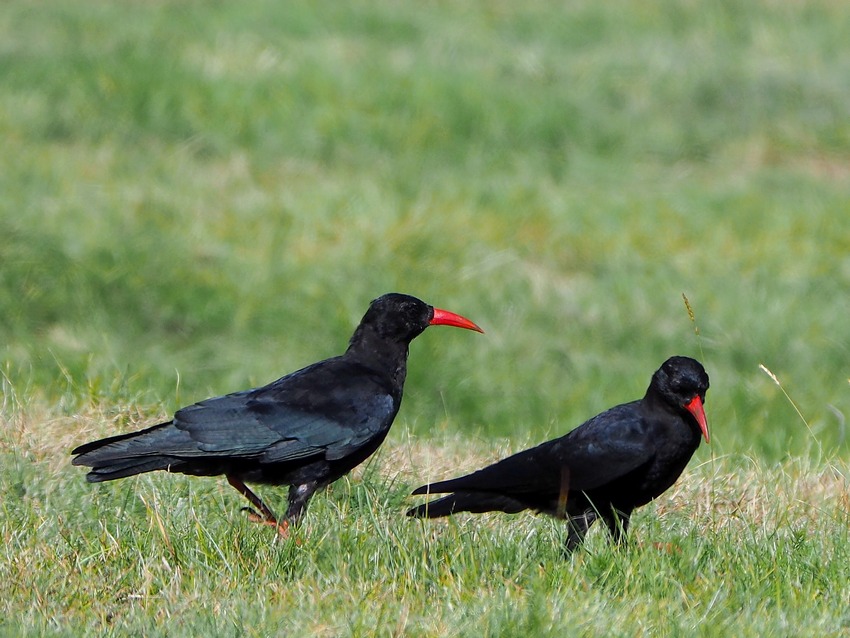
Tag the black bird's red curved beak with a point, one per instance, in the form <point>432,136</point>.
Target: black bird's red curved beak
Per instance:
<point>446,318</point>
<point>695,408</point>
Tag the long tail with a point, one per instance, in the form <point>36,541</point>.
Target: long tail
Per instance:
<point>475,502</point>
<point>128,454</point>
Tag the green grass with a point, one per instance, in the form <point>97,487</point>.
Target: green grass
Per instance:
<point>198,197</point>
<point>739,545</point>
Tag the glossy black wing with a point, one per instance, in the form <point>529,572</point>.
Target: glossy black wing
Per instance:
<point>331,409</point>
<point>601,450</point>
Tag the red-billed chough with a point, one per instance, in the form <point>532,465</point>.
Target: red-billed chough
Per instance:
<point>304,430</point>
<point>605,468</point>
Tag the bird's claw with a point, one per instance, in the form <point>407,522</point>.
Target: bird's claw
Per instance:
<point>255,517</point>
<point>667,548</point>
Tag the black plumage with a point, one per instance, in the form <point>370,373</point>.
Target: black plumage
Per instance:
<point>304,430</point>
<point>605,468</point>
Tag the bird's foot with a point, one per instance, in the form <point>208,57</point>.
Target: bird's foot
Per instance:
<point>281,527</point>
<point>667,548</point>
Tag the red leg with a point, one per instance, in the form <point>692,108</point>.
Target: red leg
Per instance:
<point>266,516</point>
<point>561,511</point>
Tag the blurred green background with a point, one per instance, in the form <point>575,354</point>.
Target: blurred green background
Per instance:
<point>198,197</point>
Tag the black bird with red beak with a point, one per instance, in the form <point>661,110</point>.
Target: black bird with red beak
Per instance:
<point>305,430</point>
<point>605,468</point>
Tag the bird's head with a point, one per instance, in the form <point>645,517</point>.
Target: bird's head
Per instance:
<point>399,317</point>
<point>682,382</point>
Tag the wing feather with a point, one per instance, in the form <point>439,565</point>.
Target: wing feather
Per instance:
<point>291,418</point>
<point>601,450</point>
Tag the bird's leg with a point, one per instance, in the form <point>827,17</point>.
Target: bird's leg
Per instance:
<point>299,496</point>
<point>564,493</point>
<point>265,516</point>
<point>578,528</point>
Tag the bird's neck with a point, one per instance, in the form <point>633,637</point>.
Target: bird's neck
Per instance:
<point>385,356</point>
<point>654,401</point>
<point>654,404</point>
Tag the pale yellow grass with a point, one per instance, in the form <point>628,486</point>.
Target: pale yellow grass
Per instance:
<point>733,491</point>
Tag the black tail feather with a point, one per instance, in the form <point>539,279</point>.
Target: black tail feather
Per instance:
<point>102,443</point>
<point>475,502</point>
<point>440,487</point>
<point>122,468</point>
<point>126,454</point>
<point>435,509</point>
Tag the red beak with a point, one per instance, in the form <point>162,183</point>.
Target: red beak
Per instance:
<point>695,408</point>
<point>446,318</point>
